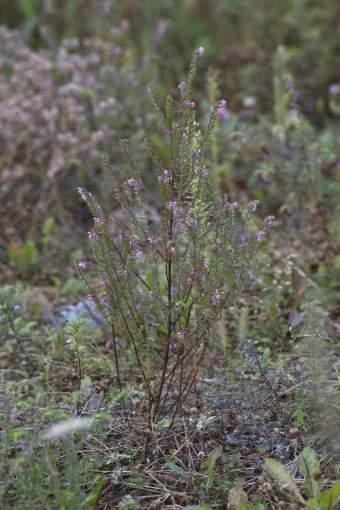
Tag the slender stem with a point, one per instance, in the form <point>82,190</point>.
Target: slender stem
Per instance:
<point>119,381</point>
<point>80,376</point>
<point>169,328</point>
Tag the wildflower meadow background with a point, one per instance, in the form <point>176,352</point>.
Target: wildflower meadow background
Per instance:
<point>169,254</point>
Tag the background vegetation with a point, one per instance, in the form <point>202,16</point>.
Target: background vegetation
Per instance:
<point>92,96</point>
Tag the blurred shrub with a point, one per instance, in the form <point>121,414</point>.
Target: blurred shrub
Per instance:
<point>283,160</point>
<point>240,37</point>
<point>59,115</point>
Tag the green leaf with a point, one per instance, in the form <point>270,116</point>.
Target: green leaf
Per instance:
<point>24,256</point>
<point>92,498</point>
<point>237,498</point>
<point>212,459</point>
<point>177,469</point>
<point>313,504</point>
<point>47,231</point>
<point>279,473</point>
<point>329,498</point>
<point>29,9</point>
<point>310,468</point>
<point>164,423</point>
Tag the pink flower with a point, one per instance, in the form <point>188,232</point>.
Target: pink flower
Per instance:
<point>98,221</point>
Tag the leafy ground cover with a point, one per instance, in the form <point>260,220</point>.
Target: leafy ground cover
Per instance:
<point>186,354</point>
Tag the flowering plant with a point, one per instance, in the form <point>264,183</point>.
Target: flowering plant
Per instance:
<point>58,112</point>
<point>161,285</point>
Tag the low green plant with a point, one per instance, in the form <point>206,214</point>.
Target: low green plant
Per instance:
<point>317,499</point>
<point>24,256</point>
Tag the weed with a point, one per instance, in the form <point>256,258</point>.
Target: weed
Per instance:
<point>162,286</point>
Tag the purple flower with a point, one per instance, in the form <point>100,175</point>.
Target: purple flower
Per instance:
<point>83,264</point>
<point>334,89</point>
<point>217,298</point>
<point>233,206</point>
<point>199,51</point>
<point>165,177</point>
<point>222,110</point>
<point>181,86</point>
<point>133,242</point>
<point>191,277</point>
<point>137,254</point>
<point>190,104</point>
<point>192,222</point>
<point>83,193</point>
<point>173,346</point>
<point>13,417</point>
<point>243,241</point>
<point>93,236</point>
<point>223,113</point>
<point>180,335</point>
<point>102,283</point>
<point>260,235</point>
<point>196,153</point>
<point>103,300</point>
<point>133,184</point>
<point>118,239</point>
<point>171,205</point>
<point>154,240</point>
<point>268,221</point>
<point>252,206</point>
<point>204,173</point>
